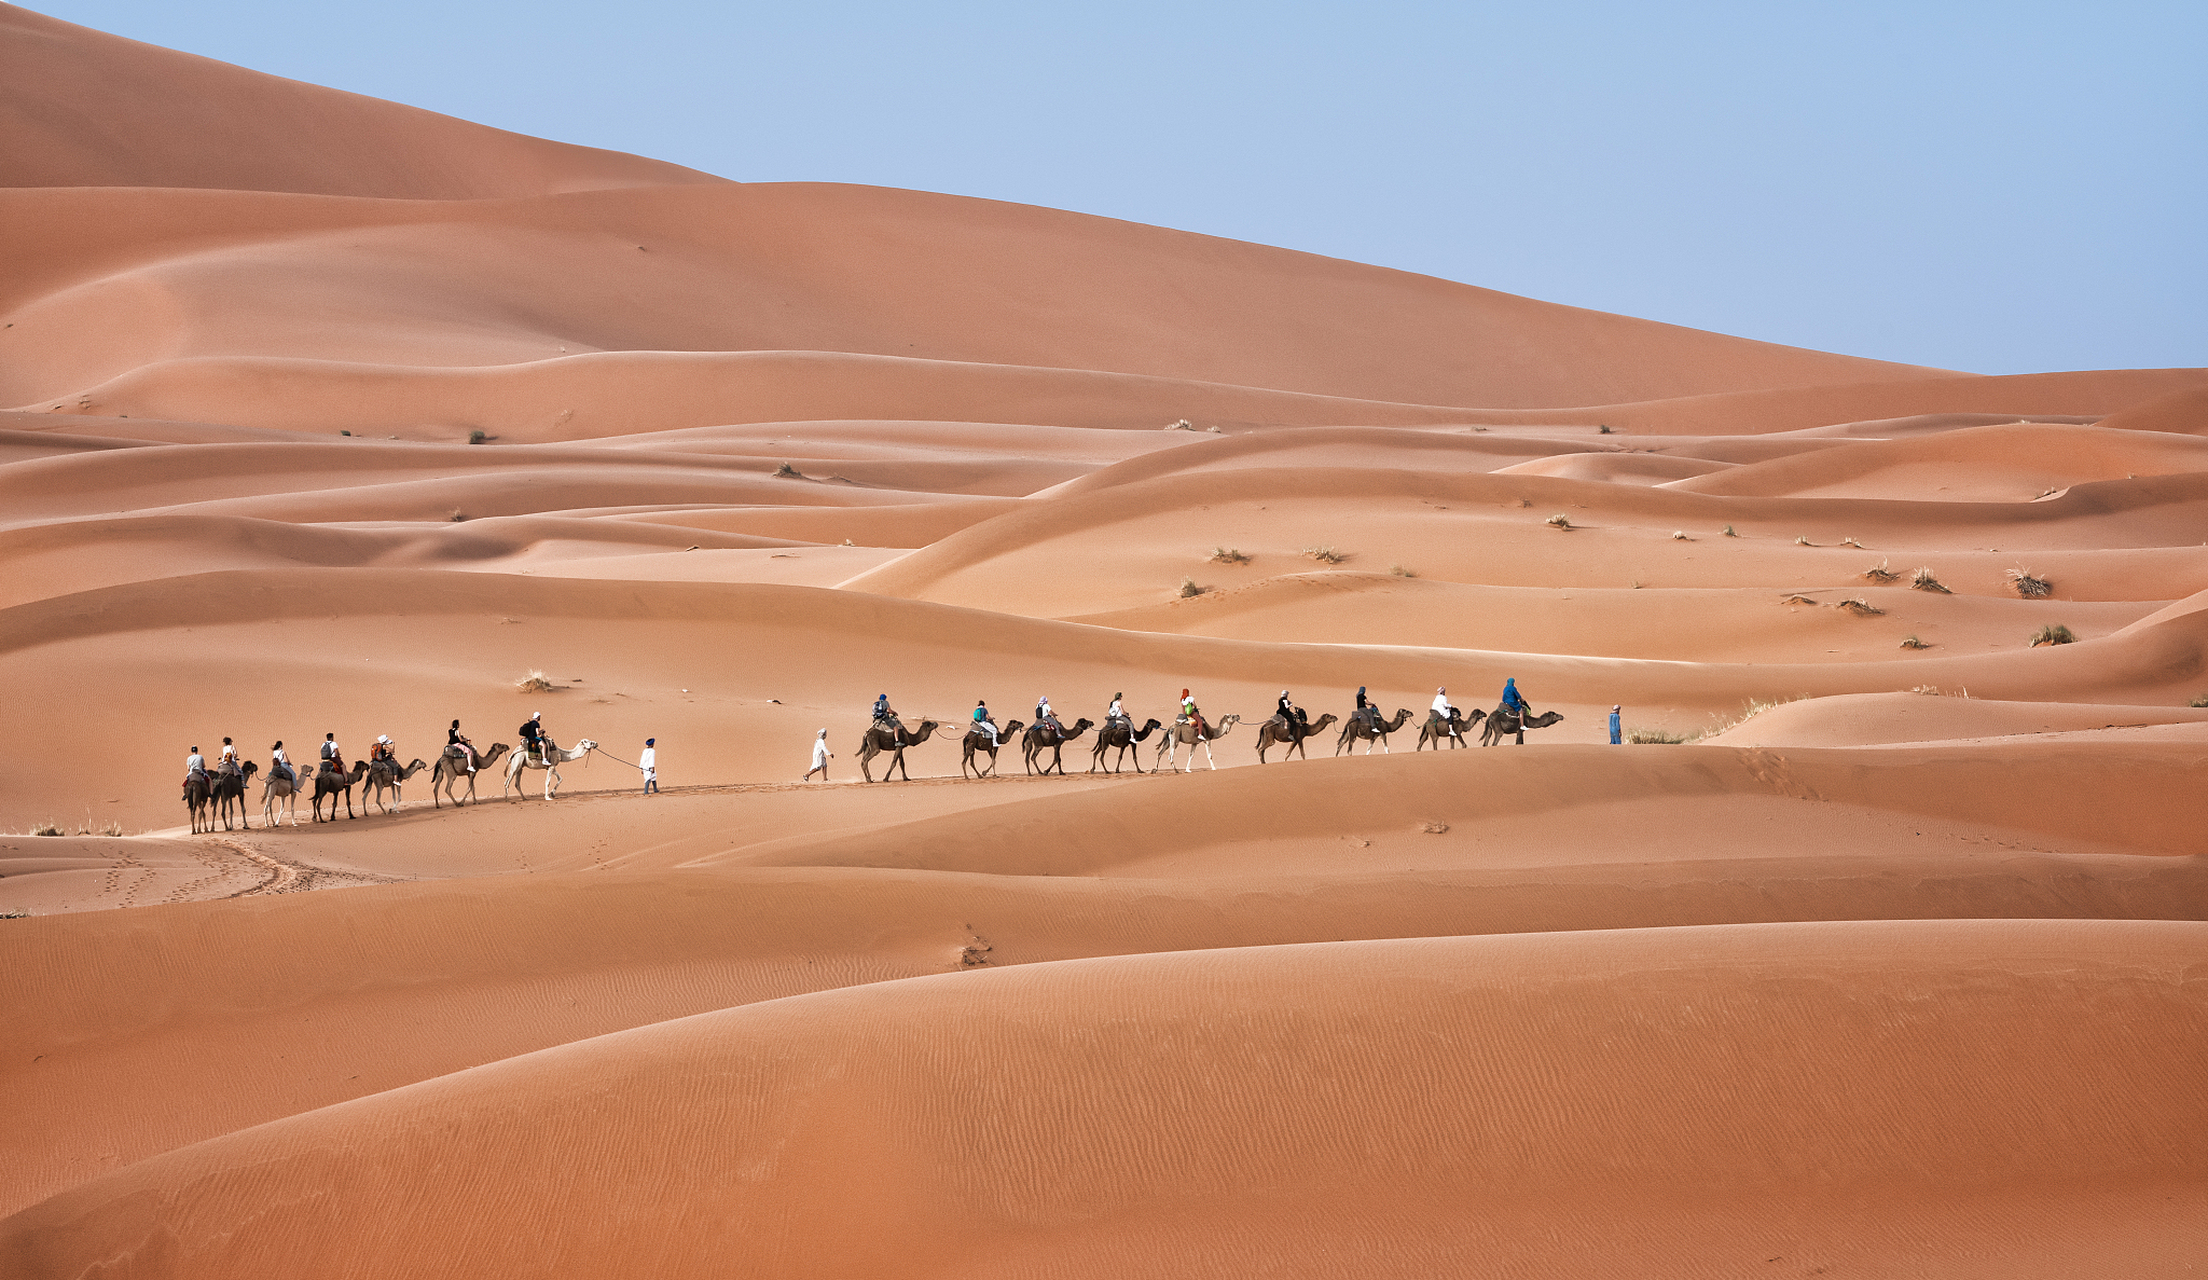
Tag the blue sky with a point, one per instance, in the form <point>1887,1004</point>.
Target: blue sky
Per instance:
<point>2002,188</point>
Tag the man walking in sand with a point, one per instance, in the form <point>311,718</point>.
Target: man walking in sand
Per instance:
<point>648,764</point>
<point>1617,727</point>
<point>821,756</point>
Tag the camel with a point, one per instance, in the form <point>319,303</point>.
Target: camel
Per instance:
<point>976,740</point>
<point>1377,731</point>
<point>1041,736</point>
<point>1502,722</point>
<point>387,773</point>
<point>1295,735</point>
<point>452,766</point>
<point>329,782</point>
<point>553,757</point>
<point>880,738</point>
<point>1122,736</point>
<point>196,789</point>
<point>228,788</point>
<point>1436,731</point>
<point>1183,731</point>
<point>276,787</point>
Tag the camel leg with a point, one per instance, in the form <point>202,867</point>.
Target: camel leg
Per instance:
<point>1207,757</point>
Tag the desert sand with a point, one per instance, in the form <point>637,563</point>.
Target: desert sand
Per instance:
<point>1879,952</point>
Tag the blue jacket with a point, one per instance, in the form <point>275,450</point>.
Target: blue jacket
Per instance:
<point>1511,697</point>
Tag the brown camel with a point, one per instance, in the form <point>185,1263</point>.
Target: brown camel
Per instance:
<point>452,768</point>
<point>1502,722</point>
<point>880,738</point>
<point>976,740</point>
<point>1121,736</point>
<point>329,782</point>
<point>1436,731</point>
<point>1357,730</point>
<point>1184,732</point>
<point>276,787</point>
<point>227,789</point>
<point>196,789</point>
<point>1294,735</point>
<point>387,774</point>
<point>1040,737</point>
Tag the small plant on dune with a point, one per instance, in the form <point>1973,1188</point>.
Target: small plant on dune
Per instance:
<point>1325,555</point>
<point>46,829</point>
<point>1215,429</point>
<point>785,471</point>
<point>1753,708</point>
<point>456,516</point>
<point>1880,574</point>
<point>1655,738</point>
<point>1797,598</point>
<point>1401,572</point>
<point>1525,502</point>
<point>1228,555</point>
<point>476,436</point>
<point>847,542</point>
<point>1182,425</point>
<point>1860,607</point>
<point>1680,535</point>
<point>1803,541</point>
<point>534,682</point>
<point>1604,428</point>
<point>1560,520</point>
<point>1728,532</point>
<point>2201,701</point>
<point>1850,542</point>
<point>2053,633</point>
<point>1911,642</point>
<point>1922,580</point>
<point>14,913</point>
<point>2028,586</point>
<point>112,829</point>
<point>344,433</point>
<point>1189,588</point>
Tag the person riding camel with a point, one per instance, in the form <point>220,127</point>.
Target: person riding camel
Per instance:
<point>885,716</point>
<point>1447,713</point>
<point>280,764</point>
<point>1366,711</point>
<point>454,738</point>
<point>983,723</point>
<point>1044,715</point>
<point>380,751</point>
<point>332,756</point>
<point>1190,715</point>
<point>1287,713</point>
<point>532,735</point>
<point>1115,716</point>
<point>227,762</point>
<point>1515,702</point>
<point>195,766</point>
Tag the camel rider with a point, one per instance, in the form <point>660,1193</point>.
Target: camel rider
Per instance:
<point>1367,712</point>
<point>532,735</point>
<point>1514,701</point>
<point>382,752</point>
<point>1116,715</point>
<point>885,716</point>
<point>454,738</point>
<point>227,762</point>
<point>195,766</point>
<point>1044,715</point>
<point>982,722</point>
<point>280,765</point>
<point>332,756</point>
<point>1442,709</point>
<point>1190,715</point>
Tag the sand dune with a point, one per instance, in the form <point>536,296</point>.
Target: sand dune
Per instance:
<point>337,417</point>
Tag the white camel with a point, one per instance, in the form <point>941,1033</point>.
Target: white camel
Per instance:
<point>553,756</point>
<point>1182,731</point>
<point>277,787</point>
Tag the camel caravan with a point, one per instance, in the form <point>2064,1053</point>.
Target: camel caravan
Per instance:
<point>216,793</point>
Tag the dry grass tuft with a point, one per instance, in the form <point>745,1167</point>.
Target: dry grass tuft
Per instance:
<point>2028,586</point>
<point>1728,532</point>
<point>1911,642</point>
<point>1879,573</point>
<point>1326,555</point>
<point>1603,429</point>
<point>1803,541</point>
<point>1434,828</point>
<point>47,828</point>
<point>1189,588</point>
<point>1560,520</point>
<point>1922,580</point>
<point>1228,555</point>
<point>787,472</point>
<point>1182,425</point>
<point>1401,572</point>
<point>2200,701</point>
<point>534,682</point>
<point>1680,535</point>
<point>476,437</point>
<point>1860,607</point>
<point>1656,738</point>
<point>2053,633</point>
<point>14,913</point>
<point>1797,598</point>
<point>1753,708</point>
<point>1850,542</point>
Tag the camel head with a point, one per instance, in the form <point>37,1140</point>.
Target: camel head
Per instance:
<point>585,745</point>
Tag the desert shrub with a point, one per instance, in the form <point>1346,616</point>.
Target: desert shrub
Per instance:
<point>1803,541</point>
<point>534,682</point>
<point>1182,425</point>
<point>1860,607</point>
<point>1850,542</point>
<point>2200,701</point>
<point>1604,428</point>
<point>476,436</point>
<point>1560,520</point>
<point>2053,633</point>
<point>1923,580</point>
<point>14,913</point>
<point>1797,598</point>
<point>1401,572</point>
<point>48,828</point>
<point>2029,586</point>
<point>1911,642</point>
<point>1228,555</point>
<point>1879,573</point>
<point>1189,588</point>
<point>787,472</point>
<point>1728,532</point>
<point>1326,555</point>
<point>1751,709</point>
<point>344,433</point>
<point>1680,535</point>
<point>1655,737</point>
